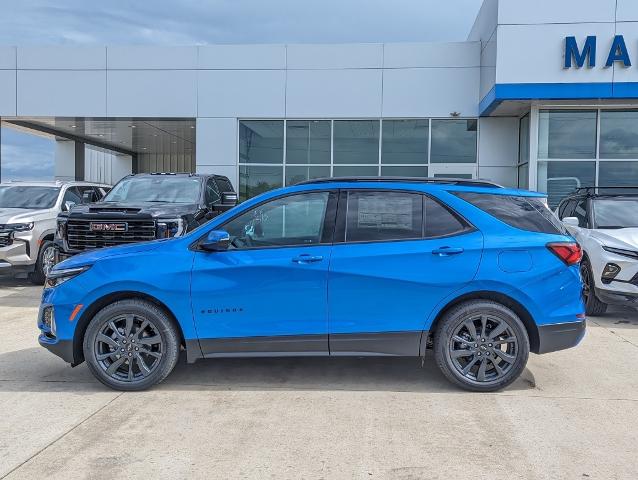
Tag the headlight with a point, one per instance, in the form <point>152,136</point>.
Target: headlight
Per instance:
<point>59,276</point>
<point>19,227</point>
<point>170,227</point>
<point>621,251</point>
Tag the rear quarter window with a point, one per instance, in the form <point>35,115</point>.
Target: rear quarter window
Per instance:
<point>526,213</point>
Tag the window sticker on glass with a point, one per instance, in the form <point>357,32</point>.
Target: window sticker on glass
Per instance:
<point>377,212</point>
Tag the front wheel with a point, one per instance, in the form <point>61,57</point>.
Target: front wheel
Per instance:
<point>593,306</point>
<point>481,346</point>
<point>44,263</point>
<point>131,345</point>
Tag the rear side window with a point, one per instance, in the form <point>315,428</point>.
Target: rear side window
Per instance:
<point>526,213</point>
<point>440,221</point>
<point>377,216</point>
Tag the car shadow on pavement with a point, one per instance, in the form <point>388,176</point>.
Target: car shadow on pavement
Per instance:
<point>34,369</point>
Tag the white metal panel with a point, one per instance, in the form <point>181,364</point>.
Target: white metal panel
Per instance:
<point>488,65</point>
<point>61,93</point>
<point>334,93</point>
<point>216,141</point>
<point>455,54</point>
<point>535,53</point>
<point>152,93</point>
<point>157,58</point>
<point>506,176</point>
<point>425,92</point>
<point>62,58</point>
<point>553,11</point>
<point>361,55</point>
<point>241,93</point>
<point>254,57</point>
<point>627,11</point>
<point>485,22</point>
<point>7,58</point>
<point>498,142</point>
<point>630,31</point>
<point>7,92</point>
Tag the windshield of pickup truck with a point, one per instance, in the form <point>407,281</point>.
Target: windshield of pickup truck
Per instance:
<point>615,212</point>
<point>28,196</point>
<point>164,189</point>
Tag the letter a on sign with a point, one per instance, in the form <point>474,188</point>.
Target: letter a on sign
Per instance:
<point>618,52</point>
<point>572,52</point>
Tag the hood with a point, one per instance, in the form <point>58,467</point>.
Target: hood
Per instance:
<point>626,238</point>
<point>19,215</point>
<point>92,256</point>
<point>154,209</point>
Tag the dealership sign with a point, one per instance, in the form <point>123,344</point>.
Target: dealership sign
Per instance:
<point>578,55</point>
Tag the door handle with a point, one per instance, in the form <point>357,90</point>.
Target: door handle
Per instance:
<point>305,258</point>
<point>447,251</point>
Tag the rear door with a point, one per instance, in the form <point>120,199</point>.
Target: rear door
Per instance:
<point>396,256</point>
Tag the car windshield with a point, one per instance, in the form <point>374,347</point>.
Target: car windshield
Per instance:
<point>28,196</point>
<point>615,212</point>
<point>165,189</point>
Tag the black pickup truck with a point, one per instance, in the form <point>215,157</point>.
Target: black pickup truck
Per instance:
<point>143,207</point>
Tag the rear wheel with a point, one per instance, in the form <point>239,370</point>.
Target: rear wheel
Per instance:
<point>44,263</point>
<point>131,345</point>
<point>593,306</point>
<point>481,346</point>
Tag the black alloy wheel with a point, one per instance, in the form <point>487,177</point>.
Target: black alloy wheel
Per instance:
<point>131,345</point>
<point>481,345</point>
<point>593,306</point>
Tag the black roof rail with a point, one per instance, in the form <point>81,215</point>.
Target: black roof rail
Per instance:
<point>440,180</point>
<point>596,190</point>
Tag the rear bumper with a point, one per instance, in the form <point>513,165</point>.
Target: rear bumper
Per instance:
<point>560,336</point>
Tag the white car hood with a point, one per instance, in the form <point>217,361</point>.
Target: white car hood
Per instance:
<point>17,215</point>
<point>626,238</point>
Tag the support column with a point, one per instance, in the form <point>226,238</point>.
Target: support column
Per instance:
<point>216,147</point>
<point>533,147</point>
<point>69,160</point>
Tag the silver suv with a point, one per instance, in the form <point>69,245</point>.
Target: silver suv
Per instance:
<point>28,213</point>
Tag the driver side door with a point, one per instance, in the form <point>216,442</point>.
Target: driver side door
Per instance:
<point>267,294</point>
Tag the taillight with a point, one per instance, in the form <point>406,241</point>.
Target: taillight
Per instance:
<point>568,252</point>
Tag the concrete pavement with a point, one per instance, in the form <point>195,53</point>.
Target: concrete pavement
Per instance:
<point>572,415</point>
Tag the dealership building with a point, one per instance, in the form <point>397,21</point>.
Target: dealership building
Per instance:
<point>541,95</point>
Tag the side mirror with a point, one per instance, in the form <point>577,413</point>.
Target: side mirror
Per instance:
<point>571,221</point>
<point>68,205</point>
<point>229,199</point>
<point>216,241</point>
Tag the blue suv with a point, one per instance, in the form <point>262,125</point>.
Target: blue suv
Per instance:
<point>343,266</point>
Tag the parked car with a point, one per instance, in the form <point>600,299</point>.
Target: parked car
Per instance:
<point>340,266</point>
<point>28,212</point>
<point>604,220</point>
<point>144,207</point>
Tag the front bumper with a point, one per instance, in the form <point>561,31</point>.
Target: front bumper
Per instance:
<point>19,256</point>
<point>616,297</point>
<point>560,336</point>
<point>61,348</point>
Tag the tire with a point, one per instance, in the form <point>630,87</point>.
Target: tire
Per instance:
<point>42,264</point>
<point>499,323</point>
<point>593,306</point>
<point>131,345</point>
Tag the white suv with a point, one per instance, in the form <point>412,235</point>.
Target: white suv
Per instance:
<point>28,213</point>
<point>604,220</point>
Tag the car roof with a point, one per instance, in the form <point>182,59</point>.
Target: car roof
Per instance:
<point>52,183</point>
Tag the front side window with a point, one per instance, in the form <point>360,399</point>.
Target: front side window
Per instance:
<point>28,197</point>
<point>212,194</point>
<point>615,212</point>
<point>288,221</point>
<point>379,216</point>
<point>580,212</point>
<point>526,213</point>
<point>72,195</point>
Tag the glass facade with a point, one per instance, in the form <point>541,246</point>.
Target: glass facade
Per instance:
<point>273,153</point>
<point>606,138</point>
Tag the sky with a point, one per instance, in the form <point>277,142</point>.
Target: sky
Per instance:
<point>198,22</point>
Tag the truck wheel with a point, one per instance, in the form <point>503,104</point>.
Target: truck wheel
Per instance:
<point>44,263</point>
<point>131,345</point>
<point>593,306</point>
<point>481,346</point>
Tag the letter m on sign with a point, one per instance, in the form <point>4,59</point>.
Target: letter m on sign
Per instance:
<point>572,52</point>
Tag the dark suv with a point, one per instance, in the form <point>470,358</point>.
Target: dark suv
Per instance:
<point>144,207</point>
